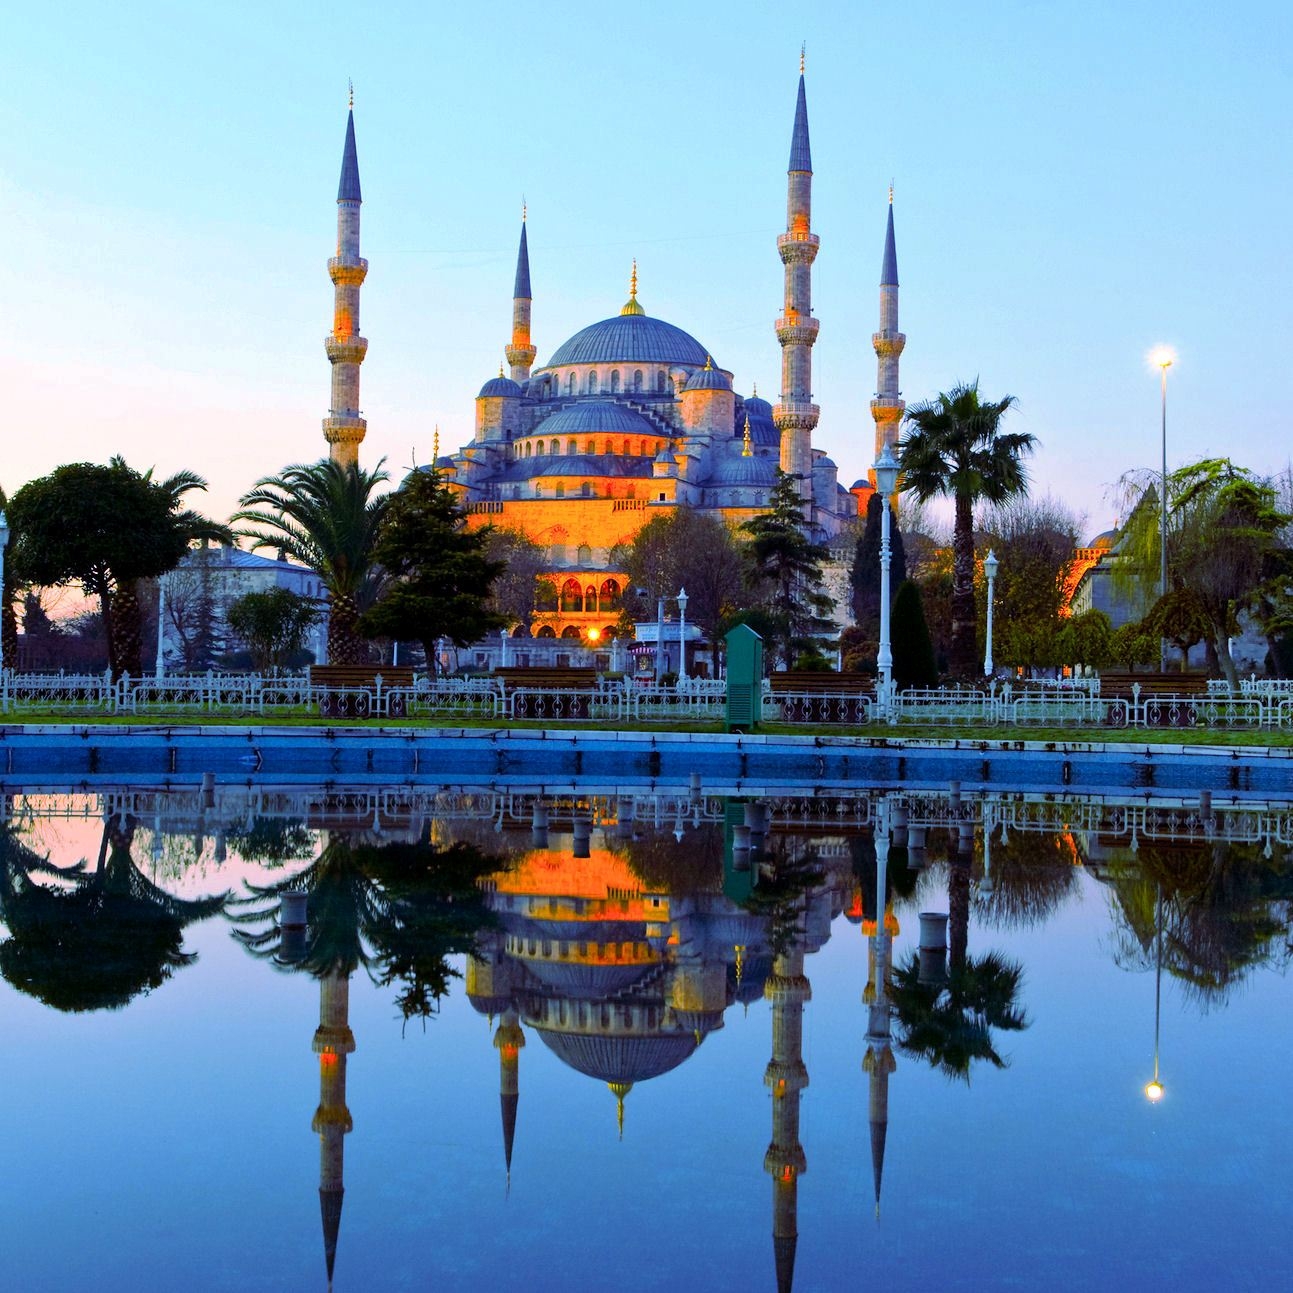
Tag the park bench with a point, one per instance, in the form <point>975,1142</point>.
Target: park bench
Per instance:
<point>573,689</point>
<point>351,688</point>
<point>1162,691</point>
<point>835,697</point>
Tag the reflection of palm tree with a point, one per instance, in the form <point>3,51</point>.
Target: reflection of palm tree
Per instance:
<point>94,940</point>
<point>400,910</point>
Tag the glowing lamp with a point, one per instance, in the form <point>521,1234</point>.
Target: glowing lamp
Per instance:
<point>1154,1091</point>
<point>594,635</point>
<point>1162,357</point>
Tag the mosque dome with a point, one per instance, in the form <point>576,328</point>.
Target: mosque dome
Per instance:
<point>596,417</point>
<point>499,386</point>
<point>577,978</point>
<point>757,404</point>
<point>763,431</point>
<point>708,378</point>
<point>825,464</point>
<point>620,1058</point>
<point>630,339</point>
<point>1104,540</point>
<point>744,471</point>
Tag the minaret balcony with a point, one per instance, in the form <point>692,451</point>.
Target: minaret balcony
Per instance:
<point>345,350</point>
<point>797,329</point>
<point>888,344</point>
<point>795,416</point>
<point>797,246</point>
<point>347,272</point>
<point>344,428</point>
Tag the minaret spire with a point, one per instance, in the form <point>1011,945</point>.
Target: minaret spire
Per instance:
<point>333,1042</point>
<point>508,1041</point>
<point>796,415</point>
<point>343,428</point>
<point>888,406</point>
<point>521,353</point>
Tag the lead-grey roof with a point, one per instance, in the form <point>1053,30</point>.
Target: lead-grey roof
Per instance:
<point>740,470</point>
<point>708,379</point>
<point>630,339</point>
<point>801,158</point>
<point>574,464</point>
<point>889,270</point>
<point>595,417</point>
<point>348,190</point>
<point>500,386</point>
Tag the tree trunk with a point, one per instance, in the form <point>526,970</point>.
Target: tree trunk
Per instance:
<point>1222,642</point>
<point>8,626</point>
<point>963,649</point>
<point>345,646</point>
<point>958,908</point>
<point>125,632</point>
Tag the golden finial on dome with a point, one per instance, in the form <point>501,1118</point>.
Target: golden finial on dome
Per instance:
<point>435,449</point>
<point>803,51</point>
<point>351,86</point>
<point>891,193</point>
<point>500,368</point>
<point>709,363</point>
<point>754,391</point>
<point>619,1090</point>
<point>746,451</point>
<point>631,306</point>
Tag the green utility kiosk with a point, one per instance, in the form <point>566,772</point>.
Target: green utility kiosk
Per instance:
<point>744,679</point>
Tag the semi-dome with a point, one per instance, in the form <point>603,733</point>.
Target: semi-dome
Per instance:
<point>499,386</point>
<point>744,471</point>
<point>708,379</point>
<point>594,417</point>
<point>630,339</point>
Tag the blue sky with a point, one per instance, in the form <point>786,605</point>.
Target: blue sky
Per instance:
<point>1074,184</point>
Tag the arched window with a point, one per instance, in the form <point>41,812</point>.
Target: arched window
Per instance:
<point>516,491</point>
<point>592,383</point>
<point>586,489</point>
<point>538,449</point>
<point>529,449</point>
<point>572,446</point>
<point>572,596</point>
<point>607,448</point>
<point>591,446</point>
<point>520,631</point>
<point>615,381</point>
<point>609,596</point>
<point>585,555</point>
<point>570,383</point>
<point>546,631</point>
<point>570,631</point>
<point>555,447</point>
<point>637,380</point>
<point>608,633</point>
<point>758,499</point>
<point>590,598</point>
<point>624,446</point>
<point>661,381</point>
<point>561,489</point>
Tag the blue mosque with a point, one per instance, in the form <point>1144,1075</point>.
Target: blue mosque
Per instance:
<point>630,417</point>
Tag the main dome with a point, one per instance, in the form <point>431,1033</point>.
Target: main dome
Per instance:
<point>630,339</point>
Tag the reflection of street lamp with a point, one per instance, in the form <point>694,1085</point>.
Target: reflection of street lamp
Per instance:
<point>1163,357</point>
<point>682,635</point>
<point>886,481</point>
<point>4,543</point>
<point>990,564</point>
<point>1154,1088</point>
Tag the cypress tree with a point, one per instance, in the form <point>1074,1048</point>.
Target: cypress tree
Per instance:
<point>913,652</point>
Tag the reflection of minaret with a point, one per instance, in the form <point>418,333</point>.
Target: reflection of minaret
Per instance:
<point>333,1041</point>
<point>879,1062</point>
<point>508,1041</point>
<point>787,989</point>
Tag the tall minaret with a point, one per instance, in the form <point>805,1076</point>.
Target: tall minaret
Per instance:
<point>796,415</point>
<point>508,1041</point>
<point>520,354</point>
<point>333,1041</point>
<point>343,428</point>
<point>879,1062</point>
<point>787,989</point>
<point>888,406</point>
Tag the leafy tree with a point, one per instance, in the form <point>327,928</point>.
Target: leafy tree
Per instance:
<point>784,568</point>
<point>273,624</point>
<point>1180,618</point>
<point>684,549</point>
<point>1223,525</point>
<point>954,447</point>
<point>8,621</point>
<point>106,528</point>
<point>913,652</point>
<point>521,590</point>
<point>1130,645</point>
<point>864,578</point>
<point>440,576</point>
<point>326,517</point>
<point>1092,637</point>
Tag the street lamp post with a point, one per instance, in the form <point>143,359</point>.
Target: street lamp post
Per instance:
<point>990,564</point>
<point>682,634</point>
<point>659,640</point>
<point>1163,358</point>
<point>886,481</point>
<point>160,666</point>
<point>4,543</point>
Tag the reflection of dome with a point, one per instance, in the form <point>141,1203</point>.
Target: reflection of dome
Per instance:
<point>499,386</point>
<point>489,1005</point>
<point>596,416</point>
<point>619,1059</point>
<point>630,338</point>
<point>580,979</point>
<point>699,1021</point>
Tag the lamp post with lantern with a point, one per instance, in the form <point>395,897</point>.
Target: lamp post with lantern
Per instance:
<point>682,634</point>
<point>990,564</point>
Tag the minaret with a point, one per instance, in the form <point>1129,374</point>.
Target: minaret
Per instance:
<point>888,406</point>
<point>508,1041</point>
<point>879,1062</point>
<point>520,354</point>
<point>787,989</point>
<point>333,1041</point>
<point>343,428</point>
<point>796,415</point>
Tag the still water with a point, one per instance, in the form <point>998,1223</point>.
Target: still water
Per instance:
<point>643,1041</point>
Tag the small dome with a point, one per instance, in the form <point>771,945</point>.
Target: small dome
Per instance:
<point>665,454</point>
<point>860,484</point>
<point>498,387</point>
<point>708,378</point>
<point>825,464</point>
<point>739,470</point>
<point>756,404</point>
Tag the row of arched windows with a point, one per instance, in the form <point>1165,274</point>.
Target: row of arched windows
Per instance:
<point>578,597</point>
<point>591,383</point>
<point>604,634</point>
<point>537,448</point>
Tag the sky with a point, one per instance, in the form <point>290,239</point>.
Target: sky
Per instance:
<point>1073,185</point>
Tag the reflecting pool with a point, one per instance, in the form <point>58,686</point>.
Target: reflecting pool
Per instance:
<point>401,1037</point>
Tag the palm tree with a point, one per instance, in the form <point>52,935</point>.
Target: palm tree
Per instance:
<point>953,447</point>
<point>325,516</point>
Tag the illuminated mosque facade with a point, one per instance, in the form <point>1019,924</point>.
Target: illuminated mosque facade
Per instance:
<point>630,417</point>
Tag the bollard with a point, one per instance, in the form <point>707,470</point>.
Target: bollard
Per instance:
<point>900,815</point>
<point>933,948</point>
<point>291,909</point>
<point>954,797</point>
<point>583,830</point>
